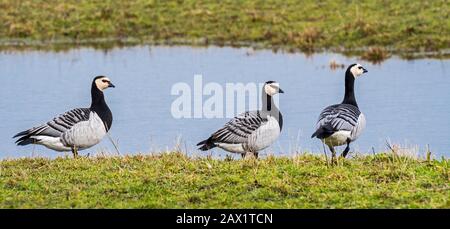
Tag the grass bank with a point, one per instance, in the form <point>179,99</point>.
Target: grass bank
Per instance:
<point>369,28</point>
<point>176,181</point>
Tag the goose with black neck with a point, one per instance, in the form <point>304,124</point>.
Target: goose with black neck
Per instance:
<point>343,123</point>
<point>251,131</point>
<point>77,129</point>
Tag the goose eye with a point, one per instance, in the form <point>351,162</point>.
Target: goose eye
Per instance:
<point>105,81</point>
<point>360,67</point>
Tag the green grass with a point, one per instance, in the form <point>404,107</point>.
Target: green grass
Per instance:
<point>177,181</point>
<point>401,26</point>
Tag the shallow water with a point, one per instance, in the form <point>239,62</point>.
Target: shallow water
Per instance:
<point>405,102</point>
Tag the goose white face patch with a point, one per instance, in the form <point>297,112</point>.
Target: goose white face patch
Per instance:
<point>102,83</point>
<point>357,70</point>
<point>272,88</point>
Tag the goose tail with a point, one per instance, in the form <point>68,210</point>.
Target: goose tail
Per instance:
<point>26,137</point>
<point>315,134</point>
<point>206,144</point>
<point>323,132</point>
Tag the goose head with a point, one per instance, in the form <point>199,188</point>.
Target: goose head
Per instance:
<point>103,82</point>
<point>272,88</point>
<point>356,70</point>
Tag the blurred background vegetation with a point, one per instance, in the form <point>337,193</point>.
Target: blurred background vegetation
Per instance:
<point>368,27</point>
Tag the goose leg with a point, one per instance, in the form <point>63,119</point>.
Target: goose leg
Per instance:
<point>75,152</point>
<point>344,153</point>
<point>333,155</point>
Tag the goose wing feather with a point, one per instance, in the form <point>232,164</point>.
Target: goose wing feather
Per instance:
<point>336,118</point>
<point>58,125</point>
<point>240,128</point>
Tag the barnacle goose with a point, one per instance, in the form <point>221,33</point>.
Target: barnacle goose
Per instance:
<point>77,129</point>
<point>342,123</point>
<point>251,131</point>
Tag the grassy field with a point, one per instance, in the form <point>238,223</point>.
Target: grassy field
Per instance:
<point>370,28</point>
<point>176,181</point>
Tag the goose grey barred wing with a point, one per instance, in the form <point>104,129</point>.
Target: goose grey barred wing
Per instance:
<point>336,118</point>
<point>66,121</point>
<point>56,127</point>
<point>236,131</point>
<point>240,128</point>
